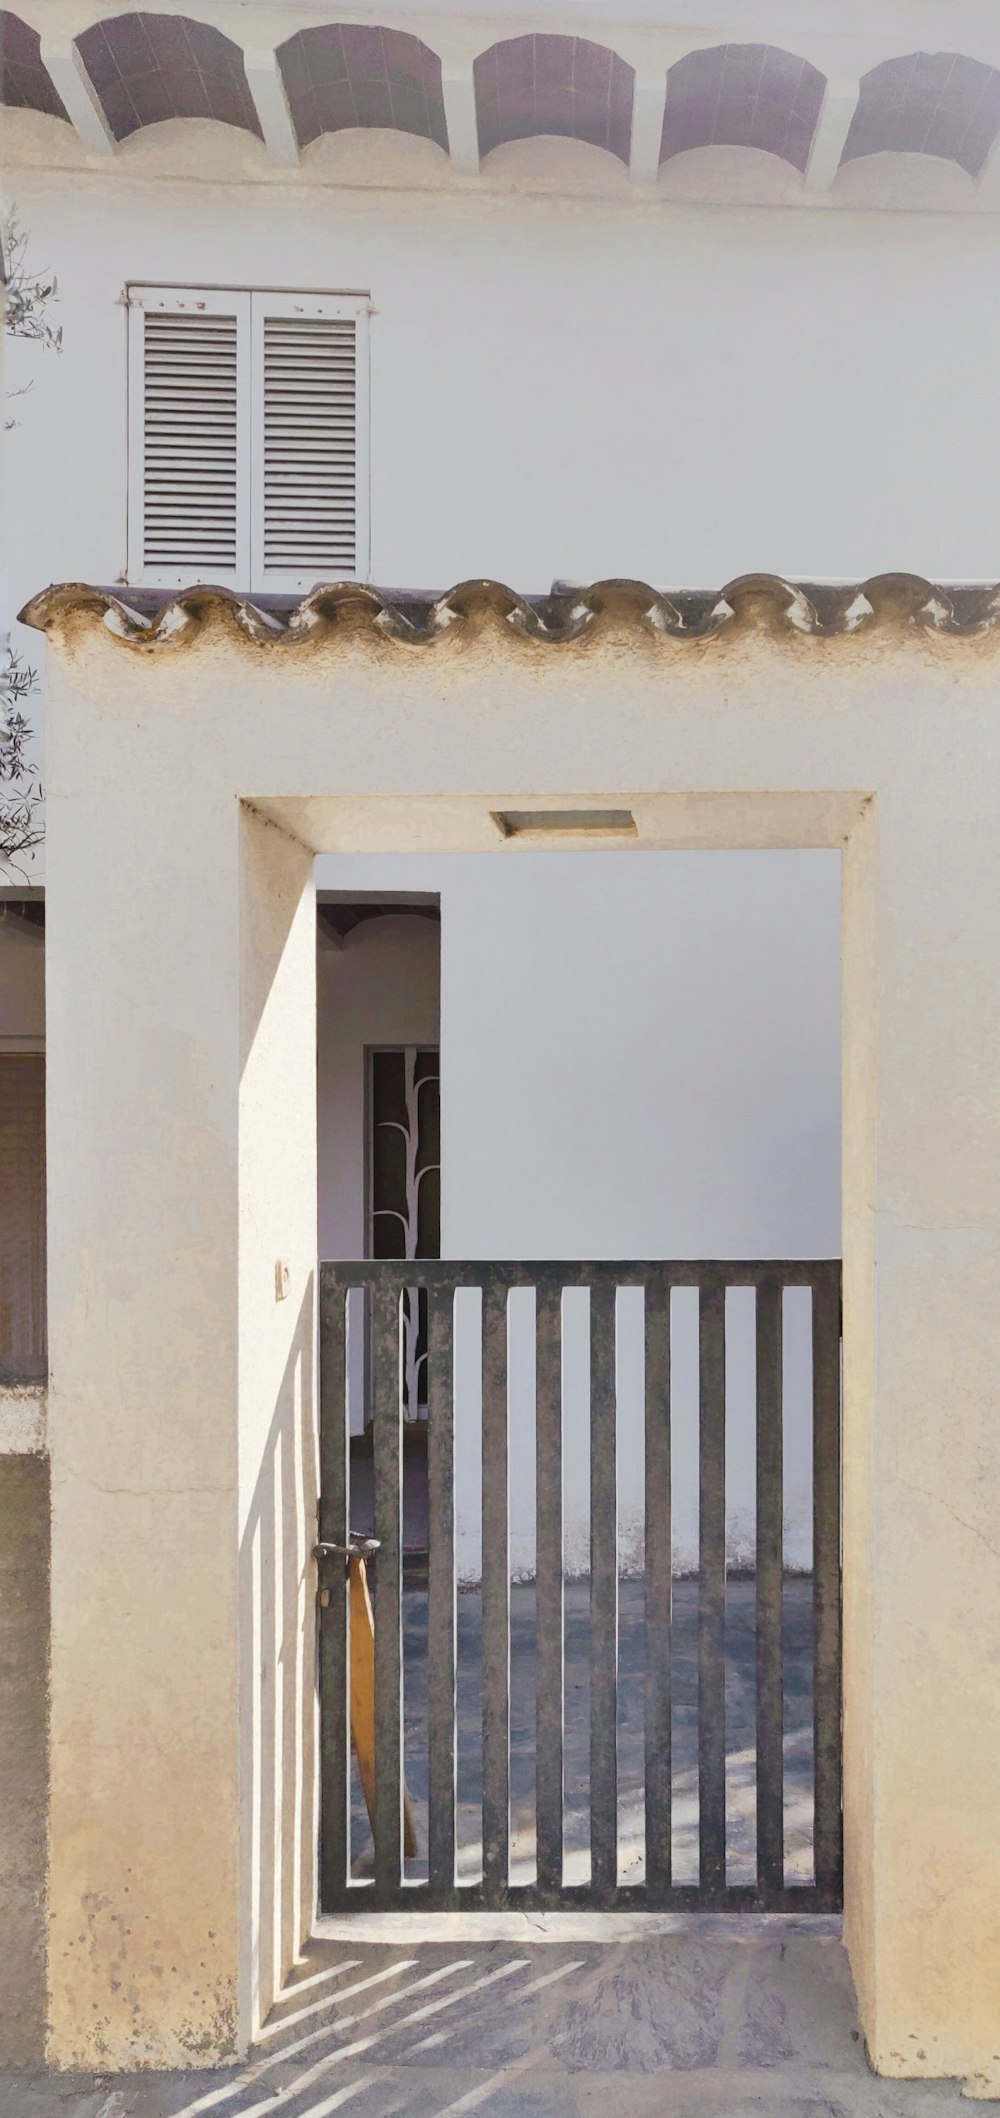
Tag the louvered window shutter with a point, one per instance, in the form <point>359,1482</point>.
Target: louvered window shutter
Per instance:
<point>189,437</point>
<point>248,439</point>
<point>309,440</point>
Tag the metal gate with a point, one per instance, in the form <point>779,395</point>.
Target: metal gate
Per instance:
<point>376,1310</point>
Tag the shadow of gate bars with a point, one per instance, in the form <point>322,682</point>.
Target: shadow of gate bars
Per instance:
<point>382,1287</point>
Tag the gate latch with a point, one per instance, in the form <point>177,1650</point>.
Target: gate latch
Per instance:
<point>357,1547</point>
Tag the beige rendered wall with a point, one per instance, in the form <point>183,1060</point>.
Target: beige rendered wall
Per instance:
<point>276,1401</point>
<point>176,1112</point>
<point>24,1603</point>
<point>925,1480</point>
<point>24,1641</point>
<point>143,1089</point>
<point>881,741</point>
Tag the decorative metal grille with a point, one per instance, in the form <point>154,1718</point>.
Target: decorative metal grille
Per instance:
<point>404,1101</point>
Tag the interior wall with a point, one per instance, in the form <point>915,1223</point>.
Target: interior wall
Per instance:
<point>382,986</point>
<point>22,985</point>
<point>639,1058</point>
<point>24,1654</point>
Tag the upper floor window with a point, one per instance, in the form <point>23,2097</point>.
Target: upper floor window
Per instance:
<point>248,438</point>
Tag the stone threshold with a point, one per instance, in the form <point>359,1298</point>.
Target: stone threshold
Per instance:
<point>24,1419</point>
<point>399,1929</point>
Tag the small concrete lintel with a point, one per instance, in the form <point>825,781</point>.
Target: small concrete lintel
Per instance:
<point>988,180</point>
<point>459,91</point>
<point>840,102</point>
<point>647,125</point>
<point>69,76</point>
<point>271,104</point>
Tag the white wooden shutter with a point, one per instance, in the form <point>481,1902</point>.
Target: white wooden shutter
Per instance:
<point>189,437</point>
<point>309,441</point>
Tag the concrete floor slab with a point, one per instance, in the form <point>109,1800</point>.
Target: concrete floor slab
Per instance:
<point>741,1798</point>
<point>704,2018</point>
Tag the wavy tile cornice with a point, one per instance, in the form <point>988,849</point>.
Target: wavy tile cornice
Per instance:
<point>901,601</point>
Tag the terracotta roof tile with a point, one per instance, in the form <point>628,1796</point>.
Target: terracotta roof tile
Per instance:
<point>146,67</point>
<point>554,84</point>
<point>24,81</point>
<point>743,95</point>
<point>342,74</point>
<point>148,618</point>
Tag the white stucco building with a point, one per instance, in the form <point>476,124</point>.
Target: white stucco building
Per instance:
<point>772,349</point>
<point>543,301</point>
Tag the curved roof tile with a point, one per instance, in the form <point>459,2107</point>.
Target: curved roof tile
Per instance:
<point>904,601</point>
<point>24,81</point>
<point>937,103</point>
<point>743,95</point>
<point>146,67</point>
<point>554,84</point>
<point>341,74</point>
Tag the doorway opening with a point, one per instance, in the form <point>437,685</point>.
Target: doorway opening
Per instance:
<point>379,1150</point>
<point>594,1413</point>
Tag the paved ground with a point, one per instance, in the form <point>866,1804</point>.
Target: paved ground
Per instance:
<point>740,1732</point>
<point>668,2018</point>
<point>704,2018</point>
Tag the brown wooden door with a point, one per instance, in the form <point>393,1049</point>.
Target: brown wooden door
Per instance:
<point>23,1336</point>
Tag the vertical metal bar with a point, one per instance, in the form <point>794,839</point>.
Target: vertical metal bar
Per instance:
<point>387,1412</point>
<point>770,1568</point>
<point>603,1593</point>
<point>827,1828</point>
<point>549,1587</point>
<point>496,1598</point>
<point>712,1592</point>
<point>658,1589</point>
<point>441,1590</point>
<point>333,1526</point>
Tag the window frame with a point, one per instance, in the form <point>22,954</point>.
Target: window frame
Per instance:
<point>251,307</point>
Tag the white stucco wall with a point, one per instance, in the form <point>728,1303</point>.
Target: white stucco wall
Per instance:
<point>556,393</point>
<point>560,387</point>
<point>162,1367</point>
<point>640,1058</point>
<point>564,387</point>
